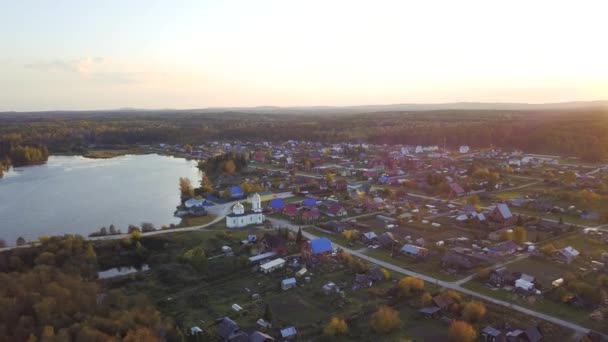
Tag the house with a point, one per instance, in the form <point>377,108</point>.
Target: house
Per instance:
<point>277,204</point>
<point>237,192</point>
<point>229,331</point>
<point>375,273</point>
<point>501,277</point>
<point>194,202</point>
<point>309,202</point>
<point>287,284</point>
<point>257,336</point>
<point>387,240</point>
<point>336,210</point>
<point>430,311</point>
<point>290,210</point>
<point>502,213</point>
<point>414,251</point>
<point>490,334</point>
<point>532,334</point>
<point>462,259</point>
<point>321,246</point>
<point>362,280</point>
<point>311,215</point>
<point>443,301</point>
<point>369,237</point>
<point>289,333</point>
<point>456,190</point>
<point>566,255</point>
<point>503,248</point>
<point>273,265</point>
<point>524,284</point>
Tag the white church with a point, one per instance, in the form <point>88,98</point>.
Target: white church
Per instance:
<point>239,218</point>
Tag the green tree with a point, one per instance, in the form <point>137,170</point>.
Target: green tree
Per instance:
<point>268,313</point>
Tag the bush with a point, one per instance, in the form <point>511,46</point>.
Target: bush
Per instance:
<point>385,320</point>
<point>336,326</point>
<point>474,311</point>
<point>462,332</point>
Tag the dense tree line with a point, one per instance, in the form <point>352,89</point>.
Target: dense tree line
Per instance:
<point>227,163</point>
<point>12,152</point>
<point>49,293</point>
<point>582,132</point>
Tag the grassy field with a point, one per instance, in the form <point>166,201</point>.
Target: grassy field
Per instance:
<point>547,306</point>
<point>193,298</point>
<point>430,267</point>
<point>111,153</point>
<point>191,221</point>
<point>545,271</point>
<point>589,246</point>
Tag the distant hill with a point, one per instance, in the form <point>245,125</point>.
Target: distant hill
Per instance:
<point>407,107</point>
<point>295,110</point>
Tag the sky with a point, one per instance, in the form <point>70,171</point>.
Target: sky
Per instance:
<point>85,54</point>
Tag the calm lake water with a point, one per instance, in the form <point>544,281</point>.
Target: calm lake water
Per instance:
<point>73,194</point>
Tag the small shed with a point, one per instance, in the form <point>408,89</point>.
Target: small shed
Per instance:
<point>289,283</point>
<point>289,333</point>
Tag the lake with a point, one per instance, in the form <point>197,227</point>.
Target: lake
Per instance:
<point>73,194</point>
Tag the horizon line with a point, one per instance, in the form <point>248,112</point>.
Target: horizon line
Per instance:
<point>583,103</point>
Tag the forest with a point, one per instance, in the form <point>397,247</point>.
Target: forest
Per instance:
<point>51,293</point>
<point>579,133</point>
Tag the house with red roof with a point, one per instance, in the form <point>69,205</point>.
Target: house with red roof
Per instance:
<point>336,210</point>
<point>291,210</point>
<point>311,215</point>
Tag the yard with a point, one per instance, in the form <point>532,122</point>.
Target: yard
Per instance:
<point>545,271</point>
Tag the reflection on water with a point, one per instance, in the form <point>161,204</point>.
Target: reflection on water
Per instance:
<point>73,194</point>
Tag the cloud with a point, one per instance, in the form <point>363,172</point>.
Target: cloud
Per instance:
<point>97,70</point>
<point>81,66</point>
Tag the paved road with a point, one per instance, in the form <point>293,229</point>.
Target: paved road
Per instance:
<point>455,285</point>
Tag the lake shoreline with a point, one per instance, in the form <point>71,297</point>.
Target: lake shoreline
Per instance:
<point>79,195</point>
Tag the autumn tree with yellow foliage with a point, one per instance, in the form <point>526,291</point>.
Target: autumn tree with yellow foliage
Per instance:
<point>385,320</point>
<point>336,326</point>
<point>461,332</point>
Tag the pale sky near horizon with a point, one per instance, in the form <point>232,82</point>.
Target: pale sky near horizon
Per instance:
<point>85,54</point>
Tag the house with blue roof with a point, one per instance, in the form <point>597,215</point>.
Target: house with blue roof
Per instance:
<point>320,245</point>
<point>309,202</point>
<point>237,192</point>
<point>277,204</point>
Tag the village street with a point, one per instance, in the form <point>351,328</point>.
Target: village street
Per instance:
<point>455,285</point>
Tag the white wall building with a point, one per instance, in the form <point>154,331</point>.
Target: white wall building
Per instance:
<point>241,218</point>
